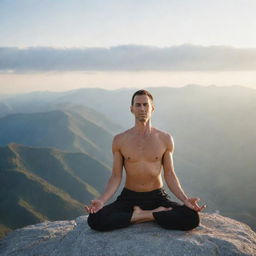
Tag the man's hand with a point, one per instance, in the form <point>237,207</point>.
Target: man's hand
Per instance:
<point>192,203</point>
<point>95,206</point>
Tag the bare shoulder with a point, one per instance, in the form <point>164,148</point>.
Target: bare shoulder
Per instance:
<point>120,136</point>
<point>118,139</point>
<point>163,134</point>
<point>166,138</point>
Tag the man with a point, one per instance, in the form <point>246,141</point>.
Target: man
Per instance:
<point>142,151</point>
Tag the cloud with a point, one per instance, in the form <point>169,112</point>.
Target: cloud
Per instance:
<point>127,58</point>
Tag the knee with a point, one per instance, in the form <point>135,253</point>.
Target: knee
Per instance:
<point>94,221</point>
<point>193,220</point>
<point>181,218</point>
<point>99,221</point>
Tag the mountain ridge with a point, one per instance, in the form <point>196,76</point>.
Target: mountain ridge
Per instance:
<point>47,129</point>
<point>38,184</point>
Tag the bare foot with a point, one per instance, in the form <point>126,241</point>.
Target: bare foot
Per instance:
<point>140,215</point>
<point>137,209</point>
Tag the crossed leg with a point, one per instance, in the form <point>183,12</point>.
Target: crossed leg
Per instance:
<point>140,215</point>
<point>122,214</point>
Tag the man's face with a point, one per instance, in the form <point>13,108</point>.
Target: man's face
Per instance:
<point>142,108</point>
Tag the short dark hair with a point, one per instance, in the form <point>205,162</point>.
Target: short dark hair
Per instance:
<point>141,92</point>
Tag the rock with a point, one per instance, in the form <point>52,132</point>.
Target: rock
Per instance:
<point>216,235</point>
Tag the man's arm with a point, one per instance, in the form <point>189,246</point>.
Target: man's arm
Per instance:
<point>172,180</point>
<point>113,182</point>
<point>117,171</point>
<point>169,174</point>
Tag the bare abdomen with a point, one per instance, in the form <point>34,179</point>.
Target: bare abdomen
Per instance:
<point>143,177</point>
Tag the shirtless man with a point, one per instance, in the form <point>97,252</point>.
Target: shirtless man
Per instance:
<point>142,151</point>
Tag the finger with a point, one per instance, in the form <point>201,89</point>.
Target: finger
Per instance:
<point>192,202</point>
<point>199,209</point>
<point>87,208</point>
<point>196,206</point>
<point>196,199</point>
<point>203,207</point>
<point>93,209</point>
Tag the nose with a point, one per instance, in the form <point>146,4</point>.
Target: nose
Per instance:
<point>142,108</point>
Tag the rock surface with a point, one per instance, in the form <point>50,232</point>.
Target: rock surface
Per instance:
<point>216,235</point>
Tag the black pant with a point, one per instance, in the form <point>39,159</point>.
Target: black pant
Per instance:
<point>118,214</point>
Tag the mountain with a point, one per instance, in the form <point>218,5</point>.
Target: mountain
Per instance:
<point>89,114</point>
<point>67,130</point>
<point>99,102</point>
<point>213,130</point>
<point>38,184</point>
<point>51,101</point>
<point>28,102</point>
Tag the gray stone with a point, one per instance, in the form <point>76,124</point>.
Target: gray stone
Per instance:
<point>216,235</point>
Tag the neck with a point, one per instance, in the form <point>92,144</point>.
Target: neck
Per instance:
<point>142,128</point>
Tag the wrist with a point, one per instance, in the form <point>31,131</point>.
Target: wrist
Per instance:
<point>101,200</point>
<point>185,199</point>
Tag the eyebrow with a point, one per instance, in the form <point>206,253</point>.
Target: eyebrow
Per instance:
<point>141,103</point>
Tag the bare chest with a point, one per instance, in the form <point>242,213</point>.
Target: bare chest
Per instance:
<point>150,149</point>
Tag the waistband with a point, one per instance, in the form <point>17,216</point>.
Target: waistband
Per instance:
<point>149,194</point>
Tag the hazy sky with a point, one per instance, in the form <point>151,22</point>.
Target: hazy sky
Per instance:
<point>63,44</point>
<point>101,23</point>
